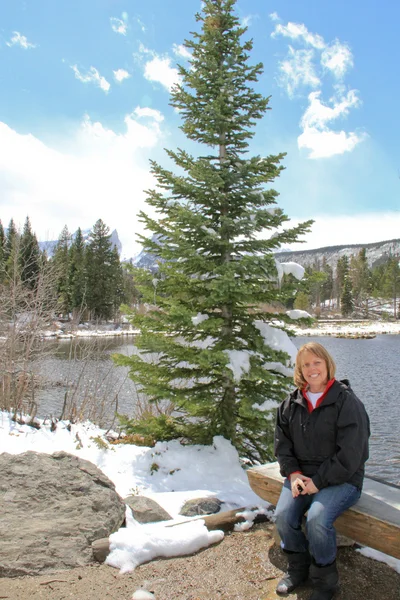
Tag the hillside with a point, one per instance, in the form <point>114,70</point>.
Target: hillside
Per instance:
<point>377,253</point>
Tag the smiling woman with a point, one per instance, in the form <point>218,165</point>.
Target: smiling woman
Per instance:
<point>314,367</point>
<point>321,442</point>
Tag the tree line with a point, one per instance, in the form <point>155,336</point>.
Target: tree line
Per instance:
<point>352,287</point>
<point>86,278</point>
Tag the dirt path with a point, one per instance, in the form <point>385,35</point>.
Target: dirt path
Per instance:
<point>244,566</point>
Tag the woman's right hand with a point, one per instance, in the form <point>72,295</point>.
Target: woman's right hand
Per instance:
<point>297,484</point>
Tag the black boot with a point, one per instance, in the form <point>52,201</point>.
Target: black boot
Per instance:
<point>325,581</point>
<point>297,572</point>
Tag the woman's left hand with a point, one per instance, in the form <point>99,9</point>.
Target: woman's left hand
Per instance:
<point>309,487</point>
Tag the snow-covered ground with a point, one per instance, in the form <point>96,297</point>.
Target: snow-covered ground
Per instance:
<point>169,473</point>
<point>350,328</point>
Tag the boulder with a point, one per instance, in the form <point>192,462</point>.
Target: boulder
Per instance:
<point>200,506</point>
<point>146,510</point>
<point>52,507</point>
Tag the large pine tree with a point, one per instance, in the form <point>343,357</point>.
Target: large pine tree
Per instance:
<point>2,247</point>
<point>217,228</point>
<point>100,266</point>
<point>61,263</point>
<point>29,257</point>
<point>11,246</point>
<point>77,274</point>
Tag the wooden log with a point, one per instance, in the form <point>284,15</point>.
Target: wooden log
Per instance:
<point>226,520</point>
<point>101,549</point>
<point>374,521</point>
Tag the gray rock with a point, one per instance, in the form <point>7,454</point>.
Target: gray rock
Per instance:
<point>200,506</point>
<point>146,510</point>
<point>52,507</point>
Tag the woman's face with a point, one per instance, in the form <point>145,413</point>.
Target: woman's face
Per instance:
<point>315,371</point>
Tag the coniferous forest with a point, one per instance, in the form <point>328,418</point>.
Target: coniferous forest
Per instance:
<point>84,278</point>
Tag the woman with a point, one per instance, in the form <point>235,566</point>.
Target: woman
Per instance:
<point>321,443</point>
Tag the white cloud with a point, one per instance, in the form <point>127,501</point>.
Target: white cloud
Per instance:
<point>246,21</point>
<point>141,25</point>
<point>159,69</point>
<point>92,76</point>
<point>299,31</point>
<point>149,112</point>
<point>120,75</point>
<point>20,40</point>
<point>298,70</point>
<point>317,138</point>
<point>361,228</point>
<point>274,16</point>
<point>119,25</point>
<point>95,173</point>
<point>326,143</point>
<point>337,58</point>
<point>180,50</point>
<point>144,50</point>
<point>318,114</point>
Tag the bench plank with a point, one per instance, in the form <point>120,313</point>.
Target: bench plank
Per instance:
<point>374,521</point>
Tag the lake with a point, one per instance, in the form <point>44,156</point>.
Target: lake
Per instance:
<point>372,366</point>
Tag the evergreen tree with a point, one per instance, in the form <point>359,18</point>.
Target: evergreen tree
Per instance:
<point>361,280</point>
<point>391,282</point>
<point>316,281</point>
<point>346,300</point>
<point>11,251</point>
<point>2,249</point>
<point>117,281</point>
<point>302,301</point>
<point>77,273</point>
<point>61,263</point>
<point>327,284</point>
<point>215,267</point>
<point>29,259</point>
<point>131,292</point>
<point>342,270</point>
<point>100,272</point>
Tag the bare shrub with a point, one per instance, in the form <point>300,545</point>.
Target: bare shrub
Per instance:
<point>24,314</point>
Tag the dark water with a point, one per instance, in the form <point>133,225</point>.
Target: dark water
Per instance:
<point>372,366</point>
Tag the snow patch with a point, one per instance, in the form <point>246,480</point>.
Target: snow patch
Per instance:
<point>239,362</point>
<point>298,314</point>
<point>277,339</point>
<point>199,318</point>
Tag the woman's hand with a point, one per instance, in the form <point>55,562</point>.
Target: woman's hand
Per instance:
<point>297,484</point>
<point>310,487</point>
<point>302,485</point>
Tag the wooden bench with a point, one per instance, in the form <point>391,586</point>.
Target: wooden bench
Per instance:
<point>374,521</point>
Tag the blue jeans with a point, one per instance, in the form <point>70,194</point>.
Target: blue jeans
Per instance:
<point>323,509</point>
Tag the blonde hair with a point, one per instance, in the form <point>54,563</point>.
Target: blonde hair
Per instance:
<point>318,350</point>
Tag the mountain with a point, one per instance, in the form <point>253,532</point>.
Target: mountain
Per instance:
<point>377,253</point>
<point>49,246</point>
<point>144,260</point>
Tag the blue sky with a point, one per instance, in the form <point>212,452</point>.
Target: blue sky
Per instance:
<point>84,106</point>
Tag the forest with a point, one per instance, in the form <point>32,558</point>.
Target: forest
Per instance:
<point>84,278</point>
<point>351,288</point>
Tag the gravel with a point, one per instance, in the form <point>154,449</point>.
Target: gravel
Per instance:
<point>244,566</point>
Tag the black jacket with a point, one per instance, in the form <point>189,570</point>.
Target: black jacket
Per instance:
<point>330,444</point>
